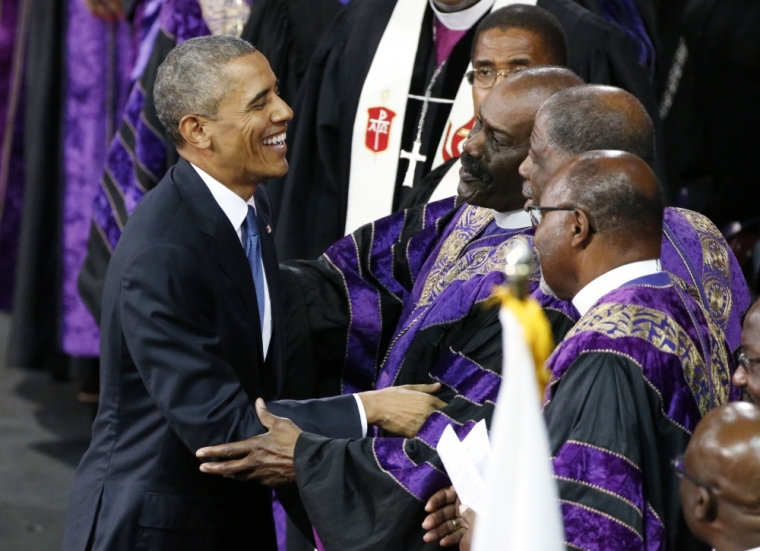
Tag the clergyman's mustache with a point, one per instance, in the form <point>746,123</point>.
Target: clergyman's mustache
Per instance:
<point>476,168</point>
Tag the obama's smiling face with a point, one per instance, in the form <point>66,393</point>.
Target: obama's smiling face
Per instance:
<point>248,133</point>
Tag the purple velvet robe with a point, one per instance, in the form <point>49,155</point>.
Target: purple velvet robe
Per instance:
<point>694,251</point>
<point>398,302</point>
<point>99,61</point>
<point>629,384</point>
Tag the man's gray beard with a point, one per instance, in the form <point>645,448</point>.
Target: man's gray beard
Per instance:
<point>545,288</point>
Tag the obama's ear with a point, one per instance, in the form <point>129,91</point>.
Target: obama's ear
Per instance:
<point>194,129</point>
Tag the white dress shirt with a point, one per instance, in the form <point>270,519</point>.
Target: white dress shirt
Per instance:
<point>236,210</point>
<point>606,283</point>
<point>512,220</point>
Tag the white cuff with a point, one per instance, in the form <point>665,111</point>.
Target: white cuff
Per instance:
<point>362,414</point>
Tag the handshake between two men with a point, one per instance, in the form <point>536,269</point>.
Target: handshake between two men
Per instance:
<point>269,458</point>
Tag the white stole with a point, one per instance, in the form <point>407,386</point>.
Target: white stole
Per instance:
<point>379,123</point>
<point>461,115</point>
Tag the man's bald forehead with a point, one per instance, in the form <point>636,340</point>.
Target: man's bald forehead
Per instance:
<point>536,84</point>
<point>727,433</point>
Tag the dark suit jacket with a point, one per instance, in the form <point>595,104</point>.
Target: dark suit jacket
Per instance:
<point>182,362</point>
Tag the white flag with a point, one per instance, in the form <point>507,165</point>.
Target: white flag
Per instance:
<point>522,510</point>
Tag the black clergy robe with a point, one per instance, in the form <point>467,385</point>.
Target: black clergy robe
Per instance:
<point>287,33</point>
<point>400,301</point>
<point>35,333</point>
<point>312,198</point>
<point>629,384</point>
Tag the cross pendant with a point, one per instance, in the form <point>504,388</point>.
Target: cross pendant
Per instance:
<point>414,158</point>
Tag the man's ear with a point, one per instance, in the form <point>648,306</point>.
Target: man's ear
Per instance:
<point>705,505</point>
<point>580,229</point>
<point>193,129</point>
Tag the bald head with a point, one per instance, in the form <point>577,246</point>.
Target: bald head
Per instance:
<point>598,117</point>
<point>724,455</point>
<point>618,190</point>
<point>726,450</point>
<point>538,84</point>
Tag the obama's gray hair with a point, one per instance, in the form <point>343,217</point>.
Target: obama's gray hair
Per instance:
<point>191,80</point>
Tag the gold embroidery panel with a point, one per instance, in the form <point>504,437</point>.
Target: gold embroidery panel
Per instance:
<point>626,320</point>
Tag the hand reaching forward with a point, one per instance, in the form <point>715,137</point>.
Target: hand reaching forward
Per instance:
<point>401,410</point>
<point>449,520</point>
<point>267,457</point>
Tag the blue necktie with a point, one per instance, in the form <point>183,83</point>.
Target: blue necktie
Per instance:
<point>253,252</point>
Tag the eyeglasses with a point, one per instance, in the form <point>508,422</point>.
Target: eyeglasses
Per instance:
<point>536,214</point>
<point>746,361</point>
<point>681,473</point>
<point>486,78</point>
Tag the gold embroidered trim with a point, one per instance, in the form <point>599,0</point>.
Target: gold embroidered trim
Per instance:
<point>616,320</point>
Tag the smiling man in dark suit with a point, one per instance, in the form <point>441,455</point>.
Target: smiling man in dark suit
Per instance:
<point>191,326</point>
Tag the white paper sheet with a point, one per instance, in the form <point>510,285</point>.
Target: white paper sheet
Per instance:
<point>464,462</point>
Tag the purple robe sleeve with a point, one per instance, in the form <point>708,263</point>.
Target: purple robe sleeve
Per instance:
<point>343,308</point>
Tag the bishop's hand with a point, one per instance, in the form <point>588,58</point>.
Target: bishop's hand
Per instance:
<point>267,457</point>
<point>401,410</point>
<point>448,520</point>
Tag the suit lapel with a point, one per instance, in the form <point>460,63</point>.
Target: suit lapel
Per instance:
<point>226,248</point>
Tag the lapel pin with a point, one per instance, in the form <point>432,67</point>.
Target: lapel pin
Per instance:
<point>269,228</point>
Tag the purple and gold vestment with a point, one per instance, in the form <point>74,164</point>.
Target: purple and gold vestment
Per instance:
<point>400,301</point>
<point>629,383</point>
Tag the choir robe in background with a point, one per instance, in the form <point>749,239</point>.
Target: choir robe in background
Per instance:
<point>287,32</point>
<point>139,155</point>
<point>629,384</point>
<point>312,199</point>
<point>400,301</point>
<point>11,143</point>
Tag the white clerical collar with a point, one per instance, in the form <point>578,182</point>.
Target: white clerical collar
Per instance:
<point>606,283</point>
<point>513,220</point>
<point>230,202</point>
<point>463,20</point>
